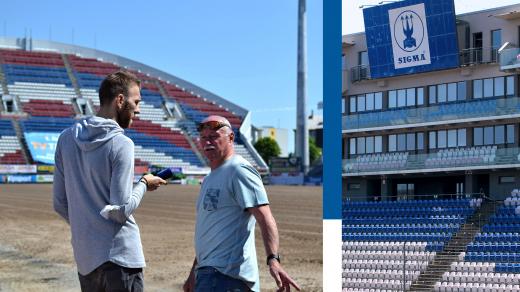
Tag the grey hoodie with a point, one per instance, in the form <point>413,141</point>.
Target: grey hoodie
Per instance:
<point>95,167</point>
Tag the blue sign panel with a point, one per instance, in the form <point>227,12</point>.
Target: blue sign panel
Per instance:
<point>411,36</point>
<point>42,146</point>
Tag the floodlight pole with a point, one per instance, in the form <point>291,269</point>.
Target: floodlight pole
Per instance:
<point>302,130</point>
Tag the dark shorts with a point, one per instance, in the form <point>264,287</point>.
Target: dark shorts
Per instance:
<point>208,279</point>
<point>110,277</point>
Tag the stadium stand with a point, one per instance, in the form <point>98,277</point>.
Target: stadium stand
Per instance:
<point>50,90</point>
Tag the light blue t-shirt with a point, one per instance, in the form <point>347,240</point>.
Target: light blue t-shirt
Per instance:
<point>225,230</point>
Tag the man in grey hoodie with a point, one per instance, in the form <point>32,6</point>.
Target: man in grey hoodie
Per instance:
<point>94,168</point>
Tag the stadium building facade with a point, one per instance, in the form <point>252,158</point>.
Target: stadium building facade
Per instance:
<point>46,86</point>
<point>449,129</point>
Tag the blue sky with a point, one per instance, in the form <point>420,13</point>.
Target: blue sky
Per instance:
<point>244,51</point>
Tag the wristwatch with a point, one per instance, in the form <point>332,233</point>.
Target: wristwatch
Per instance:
<point>273,256</point>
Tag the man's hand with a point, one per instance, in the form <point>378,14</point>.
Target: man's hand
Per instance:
<point>189,285</point>
<point>283,280</point>
<point>153,182</point>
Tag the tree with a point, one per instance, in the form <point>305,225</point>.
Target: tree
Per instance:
<point>267,148</point>
<point>314,151</point>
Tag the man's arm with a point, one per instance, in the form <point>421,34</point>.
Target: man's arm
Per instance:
<point>269,230</point>
<point>58,187</point>
<point>121,184</point>
<point>189,285</point>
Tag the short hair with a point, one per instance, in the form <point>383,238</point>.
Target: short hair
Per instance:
<point>114,84</point>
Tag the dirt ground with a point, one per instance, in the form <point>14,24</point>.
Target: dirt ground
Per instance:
<point>36,255</point>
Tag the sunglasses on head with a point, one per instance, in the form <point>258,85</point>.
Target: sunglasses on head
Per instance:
<point>212,125</point>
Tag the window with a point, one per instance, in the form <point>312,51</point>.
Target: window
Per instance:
<point>452,91</point>
<point>499,86</point>
<point>478,136</point>
<point>420,96</point>
<point>392,143</point>
<point>500,135</point>
<point>441,93</point>
<point>369,144</point>
<point>361,103</point>
<point>496,42</point>
<point>361,145</point>
<point>378,144</point>
<point>510,134</point>
<point>441,139</point>
<point>401,98</point>
<point>477,88</point>
<point>363,58</point>
<point>410,96</point>
<point>461,137</point>
<point>352,146</point>
<point>392,99</point>
<point>452,138</point>
<point>410,142</point>
<point>461,90</point>
<point>353,186</point>
<point>370,101</point>
<point>353,104</point>
<point>432,94</point>
<point>506,179</point>
<point>342,105</point>
<point>488,136</point>
<point>432,140</point>
<point>378,102</point>
<point>401,142</point>
<point>510,85</point>
<point>420,141</point>
<point>488,87</point>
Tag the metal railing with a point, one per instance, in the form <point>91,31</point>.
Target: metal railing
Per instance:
<point>475,108</point>
<point>360,72</point>
<point>510,59</point>
<point>474,56</point>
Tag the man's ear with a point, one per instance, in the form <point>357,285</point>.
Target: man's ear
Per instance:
<point>120,100</point>
<point>232,136</point>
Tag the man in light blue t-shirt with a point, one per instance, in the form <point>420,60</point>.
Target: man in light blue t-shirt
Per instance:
<point>231,200</point>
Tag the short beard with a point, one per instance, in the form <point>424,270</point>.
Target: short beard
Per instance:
<point>123,118</point>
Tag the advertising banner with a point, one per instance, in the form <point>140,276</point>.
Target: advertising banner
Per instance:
<point>42,146</point>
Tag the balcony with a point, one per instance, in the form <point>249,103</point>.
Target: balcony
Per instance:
<point>475,56</point>
<point>467,158</point>
<point>442,113</point>
<point>510,59</point>
<point>358,73</point>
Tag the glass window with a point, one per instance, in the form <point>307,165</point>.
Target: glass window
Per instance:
<point>420,141</point>
<point>499,86</point>
<point>510,80</point>
<point>392,99</point>
<point>478,136</point>
<point>488,136</point>
<point>410,96</point>
<point>496,38</point>
<point>370,144</point>
<point>361,145</point>
<point>378,144</point>
<point>353,104</point>
<point>410,141</point>
<point>461,137</point>
<point>432,140</point>
<point>363,58</point>
<point>488,87</point>
<point>420,96</point>
<point>500,135</point>
<point>352,146</point>
<point>401,142</point>
<point>477,88</point>
<point>361,103</point>
<point>432,98</point>
<point>510,134</point>
<point>452,138</point>
<point>441,93</point>
<point>370,101</point>
<point>401,98</point>
<point>506,179</point>
<point>342,105</point>
<point>378,103</point>
<point>392,143</point>
<point>452,91</point>
<point>461,90</point>
<point>441,139</point>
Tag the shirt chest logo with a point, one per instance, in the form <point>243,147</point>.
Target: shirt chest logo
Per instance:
<point>211,199</point>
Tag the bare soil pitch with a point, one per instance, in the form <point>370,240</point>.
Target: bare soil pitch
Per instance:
<point>36,255</point>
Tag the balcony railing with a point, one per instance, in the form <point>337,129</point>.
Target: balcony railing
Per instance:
<point>510,59</point>
<point>447,159</point>
<point>473,56</point>
<point>358,73</point>
<point>442,112</point>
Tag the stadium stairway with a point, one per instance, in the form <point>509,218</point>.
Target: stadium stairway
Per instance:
<point>72,77</point>
<point>23,143</point>
<point>443,259</point>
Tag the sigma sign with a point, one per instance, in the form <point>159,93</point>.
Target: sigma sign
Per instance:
<point>409,33</point>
